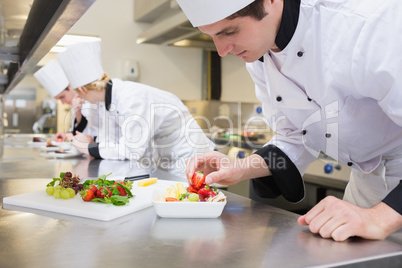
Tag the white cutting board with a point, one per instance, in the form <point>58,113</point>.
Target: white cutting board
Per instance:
<point>77,207</point>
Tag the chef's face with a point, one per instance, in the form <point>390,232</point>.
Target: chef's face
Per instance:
<point>92,96</point>
<point>247,37</point>
<point>66,96</point>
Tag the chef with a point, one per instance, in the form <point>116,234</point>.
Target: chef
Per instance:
<point>154,128</point>
<point>328,76</point>
<point>84,118</point>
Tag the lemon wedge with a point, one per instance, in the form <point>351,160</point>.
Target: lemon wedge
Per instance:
<point>147,182</point>
<point>180,188</point>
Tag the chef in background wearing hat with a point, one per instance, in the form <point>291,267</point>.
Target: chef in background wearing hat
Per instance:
<point>328,75</point>
<point>53,79</point>
<point>154,127</point>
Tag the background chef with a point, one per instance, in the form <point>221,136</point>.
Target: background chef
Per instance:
<point>327,74</point>
<point>152,126</point>
<point>84,116</point>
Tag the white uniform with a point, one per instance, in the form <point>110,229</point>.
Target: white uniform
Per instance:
<point>337,88</point>
<point>91,113</point>
<point>155,128</point>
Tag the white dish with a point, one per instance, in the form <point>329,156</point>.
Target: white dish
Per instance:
<point>64,145</point>
<point>43,143</point>
<point>68,154</point>
<point>186,209</point>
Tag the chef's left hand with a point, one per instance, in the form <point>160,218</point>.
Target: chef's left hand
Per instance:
<point>80,141</point>
<point>339,220</point>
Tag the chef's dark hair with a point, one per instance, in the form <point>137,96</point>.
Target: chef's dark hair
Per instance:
<point>255,10</point>
<point>99,84</point>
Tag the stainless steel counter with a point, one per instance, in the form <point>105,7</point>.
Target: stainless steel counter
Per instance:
<point>248,234</point>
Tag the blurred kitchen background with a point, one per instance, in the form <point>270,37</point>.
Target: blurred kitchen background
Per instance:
<point>151,42</point>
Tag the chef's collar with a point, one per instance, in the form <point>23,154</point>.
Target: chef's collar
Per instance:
<point>108,94</point>
<point>290,17</point>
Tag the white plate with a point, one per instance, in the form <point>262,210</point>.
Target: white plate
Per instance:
<point>64,145</point>
<point>42,143</point>
<point>68,154</point>
<point>186,209</point>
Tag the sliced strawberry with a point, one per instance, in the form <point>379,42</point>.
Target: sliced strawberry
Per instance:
<point>204,192</point>
<point>211,193</point>
<point>198,179</point>
<point>191,189</point>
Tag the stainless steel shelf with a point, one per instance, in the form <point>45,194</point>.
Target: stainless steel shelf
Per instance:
<point>47,23</point>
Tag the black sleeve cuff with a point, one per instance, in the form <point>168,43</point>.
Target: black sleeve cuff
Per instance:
<point>81,126</point>
<point>93,149</point>
<point>286,179</point>
<point>394,198</point>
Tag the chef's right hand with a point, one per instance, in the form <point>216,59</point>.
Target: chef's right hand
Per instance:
<point>222,169</point>
<point>76,104</point>
<point>60,137</point>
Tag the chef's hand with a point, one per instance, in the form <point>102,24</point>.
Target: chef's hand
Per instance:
<point>222,169</point>
<point>76,103</point>
<point>339,220</point>
<point>80,141</point>
<point>60,137</point>
<point>77,106</point>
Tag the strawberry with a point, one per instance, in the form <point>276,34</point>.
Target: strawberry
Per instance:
<point>198,179</point>
<point>103,192</point>
<point>87,195</point>
<point>191,189</point>
<point>93,188</point>
<point>122,191</point>
<point>204,192</point>
<point>211,193</point>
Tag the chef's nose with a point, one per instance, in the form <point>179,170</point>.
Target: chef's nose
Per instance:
<point>222,47</point>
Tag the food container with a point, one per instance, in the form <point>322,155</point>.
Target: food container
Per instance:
<point>186,209</point>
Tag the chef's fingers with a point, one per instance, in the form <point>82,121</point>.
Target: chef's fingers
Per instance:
<point>317,209</point>
<point>69,136</point>
<point>190,168</point>
<point>342,233</point>
<point>213,177</point>
<point>333,224</point>
<point>302,220</point>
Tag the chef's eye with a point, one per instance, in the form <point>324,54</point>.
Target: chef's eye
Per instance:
<point>230,33</point>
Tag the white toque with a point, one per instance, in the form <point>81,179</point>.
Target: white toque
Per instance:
<point>52,78</point>
<point>82,63</point>
<point>204,12</point>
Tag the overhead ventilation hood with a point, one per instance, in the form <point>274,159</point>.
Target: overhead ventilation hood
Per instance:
<point>41,24</point>
<point>174,29</point>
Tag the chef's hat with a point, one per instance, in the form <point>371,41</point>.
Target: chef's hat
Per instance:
<point>52,78</point>
<point>82,63</point>
<point>204,12</point>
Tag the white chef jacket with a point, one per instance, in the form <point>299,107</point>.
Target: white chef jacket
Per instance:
<point>336,87</point>
<point>90,120</point>
<point>155,128</point>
